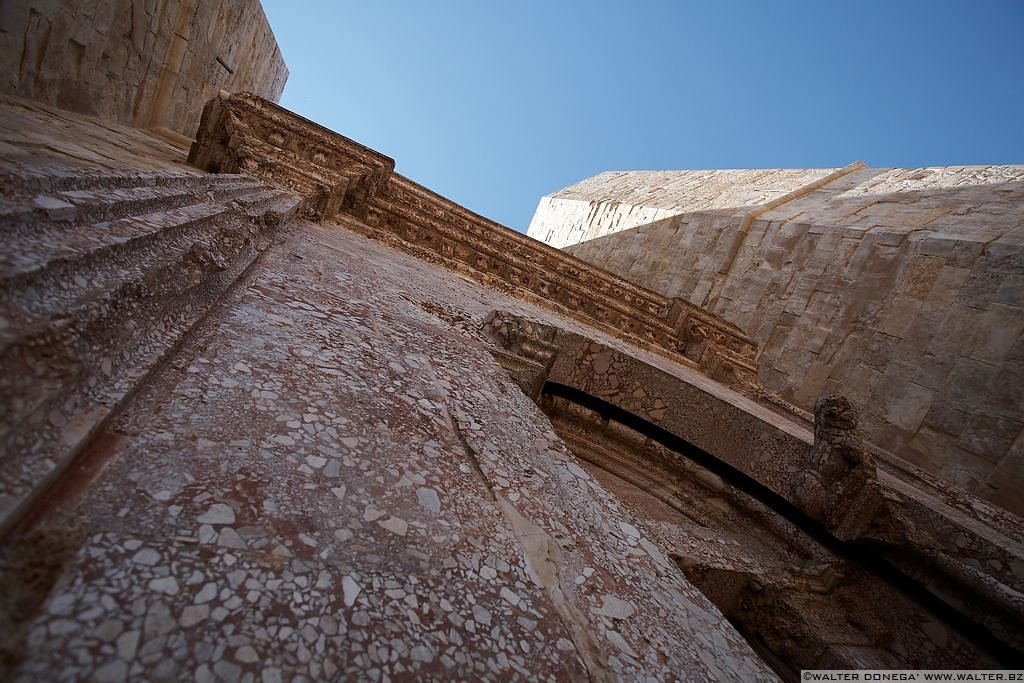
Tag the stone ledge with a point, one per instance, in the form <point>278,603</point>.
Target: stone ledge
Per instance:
<point>243,133</point>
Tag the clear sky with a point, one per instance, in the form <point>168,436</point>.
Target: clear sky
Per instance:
<point>496,103</point>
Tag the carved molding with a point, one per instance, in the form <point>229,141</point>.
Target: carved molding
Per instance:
<point>243,133</point>
<point>525,349</point>
<point>340,178</point>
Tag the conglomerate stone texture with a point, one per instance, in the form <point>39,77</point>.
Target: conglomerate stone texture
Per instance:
<point>332,481</point>
<point>405,442</point>
<point>107,261</point>
<point>317,469</point>
<point>150,64</point>
<point>903,289</point>
<point>777,585</point>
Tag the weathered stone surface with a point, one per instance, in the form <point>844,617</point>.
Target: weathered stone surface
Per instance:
<point>292,452</point>
<point>97,294</point>
<point>714,531</point>
<point>913,273</point>
<point>838,484</point>
<point>152,65</point>
<point>336,442</point>
<point>893,511</point>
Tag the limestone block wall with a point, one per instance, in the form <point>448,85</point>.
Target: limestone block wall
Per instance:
<point>901,288</point>
<point>621,200</point>
<point>141,62</point>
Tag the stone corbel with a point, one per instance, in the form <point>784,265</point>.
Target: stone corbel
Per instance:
<point>524,348</point>
<point>838,483</point>
<point>242,133</point>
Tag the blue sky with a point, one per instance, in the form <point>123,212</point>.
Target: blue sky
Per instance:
<point>494,104</point>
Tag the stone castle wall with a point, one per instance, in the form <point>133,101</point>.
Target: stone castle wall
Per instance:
<point>149,64</point>
<point>281,413</point>
<point>616,201</point>
<point>901,288</point>
<point>404,441</point>
<point>313,465</point>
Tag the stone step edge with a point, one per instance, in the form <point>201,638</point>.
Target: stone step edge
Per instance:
<point>100,416</point>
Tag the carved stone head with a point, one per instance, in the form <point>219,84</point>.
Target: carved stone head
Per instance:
<point>835,412</point>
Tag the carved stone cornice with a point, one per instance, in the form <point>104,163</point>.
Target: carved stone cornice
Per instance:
<point>340,178</point>
<point>526,349</point>
<point>244,133</point>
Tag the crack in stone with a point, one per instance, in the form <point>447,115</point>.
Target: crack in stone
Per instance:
<point>544,559</point>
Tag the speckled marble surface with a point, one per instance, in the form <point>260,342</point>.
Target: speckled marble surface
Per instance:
<point>334,479</point>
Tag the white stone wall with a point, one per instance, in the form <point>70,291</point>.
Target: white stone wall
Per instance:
<point>622,200</point>
<point>901,288</point>
<point>564,222</point>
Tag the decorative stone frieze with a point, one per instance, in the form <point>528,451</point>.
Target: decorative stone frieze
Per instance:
<point>243,133</point>
<point>340,178</point>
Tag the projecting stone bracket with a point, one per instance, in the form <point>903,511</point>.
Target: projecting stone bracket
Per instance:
<point>243,133</point>
<point>838,484</point>
<point>524,348</point>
